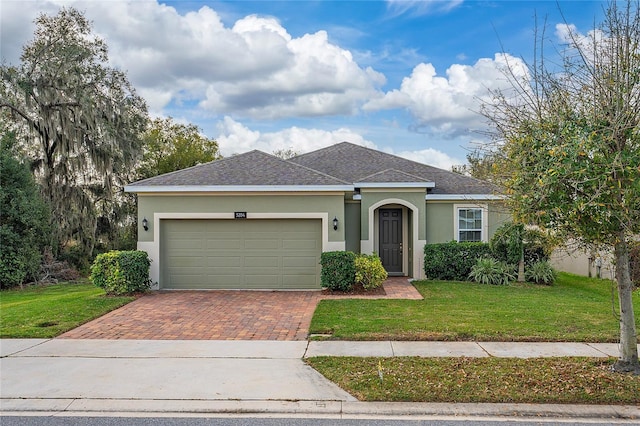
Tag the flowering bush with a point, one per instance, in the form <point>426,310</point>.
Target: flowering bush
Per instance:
<point>369,271</point>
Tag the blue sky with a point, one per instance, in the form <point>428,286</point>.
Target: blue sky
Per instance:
<point>404,77</point>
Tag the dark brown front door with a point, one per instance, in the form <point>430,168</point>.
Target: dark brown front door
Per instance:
<point>391,240</point>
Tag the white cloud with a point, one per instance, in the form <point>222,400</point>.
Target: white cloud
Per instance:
<point>569,34</point>
<point>449,104</point>
<point>319,78</point>
<point>235,138</point>
<point>431,157</point>
<point>421,7</point>
<point>253,68</point>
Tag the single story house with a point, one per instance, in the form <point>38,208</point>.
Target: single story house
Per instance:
<point>255,221</point>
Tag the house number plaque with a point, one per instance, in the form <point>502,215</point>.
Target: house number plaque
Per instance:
<point>240,215</point>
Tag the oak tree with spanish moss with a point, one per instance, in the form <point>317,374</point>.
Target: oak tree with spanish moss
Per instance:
<point>78,119</point>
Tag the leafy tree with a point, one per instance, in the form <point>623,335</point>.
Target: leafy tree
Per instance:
<point>479,165</point>
<point>509,241</point>
<point>569,136</point>
<point>522,246</point>
<point>170,146</point>
<point>285,154</point>
<point>167,146</point>
<point>24,218</point>
<point>80,121</point>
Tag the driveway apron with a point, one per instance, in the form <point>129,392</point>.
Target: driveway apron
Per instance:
<point>219,315</point>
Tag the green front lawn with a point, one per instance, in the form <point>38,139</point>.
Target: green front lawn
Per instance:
<point>506,380</point>
<point>47,311</point>
<point>574,309</point>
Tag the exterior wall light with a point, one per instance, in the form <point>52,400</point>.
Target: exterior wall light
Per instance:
<point>145,224</point>
<point>335,223</point>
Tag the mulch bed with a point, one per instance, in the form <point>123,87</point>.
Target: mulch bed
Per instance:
<point>357,290</point>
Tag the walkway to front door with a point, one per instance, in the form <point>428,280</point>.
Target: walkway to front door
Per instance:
<point>220,315</point>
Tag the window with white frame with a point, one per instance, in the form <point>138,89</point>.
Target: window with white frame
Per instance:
<point>470,224</point>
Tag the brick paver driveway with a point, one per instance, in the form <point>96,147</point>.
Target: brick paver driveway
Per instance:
<point>219,315</point>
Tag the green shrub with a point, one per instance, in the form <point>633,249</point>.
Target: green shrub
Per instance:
<point>338,270</point>
<point>121,272</point>
<point>24,218</point>
<point>369,271</point>
<point>506,244</point>
<point>76,257</point>
<point>490,271</point>
<point>540,273</point>
<point>452,261</point>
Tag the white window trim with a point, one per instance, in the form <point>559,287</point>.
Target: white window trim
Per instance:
<point>484,232</point>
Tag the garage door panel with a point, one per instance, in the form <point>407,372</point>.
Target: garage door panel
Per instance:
<point>188,244</point>
<point>251,254</point>
<point>261,272</point>
<point>186,262</point>
<point>292,273</point>
<point>224,261</point>
<point>187,274</point>
<point>223,270</point>
<point>299,244</point>
<point>298,281</point>
<point>257,280</point>
<point>180,279</point>
<point>306,262</point>
<point>224,279</point>
<point>260,244</point>
<point>254,262</point>
<point>227,244</point>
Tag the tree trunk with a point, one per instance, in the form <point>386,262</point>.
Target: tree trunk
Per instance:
<point>521,277</point>
<point>628,361</point>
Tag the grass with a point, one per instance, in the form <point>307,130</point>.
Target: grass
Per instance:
<point>574,309</point>
<point>47,311</point>
<point>495,380</point>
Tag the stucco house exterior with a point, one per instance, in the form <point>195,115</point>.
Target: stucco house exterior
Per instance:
<point>255,221</point>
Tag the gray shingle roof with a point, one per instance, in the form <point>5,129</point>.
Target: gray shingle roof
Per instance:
<point>354,163</point>
<point>342,165</point>
<point>392,176</point>
<point>248,169</point>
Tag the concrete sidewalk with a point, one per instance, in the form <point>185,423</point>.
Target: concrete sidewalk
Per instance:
<point>270,377</point>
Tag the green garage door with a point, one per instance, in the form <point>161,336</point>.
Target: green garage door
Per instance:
<point>240,254</point>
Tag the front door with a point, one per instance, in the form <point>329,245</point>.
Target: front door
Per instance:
<point>391,240</point>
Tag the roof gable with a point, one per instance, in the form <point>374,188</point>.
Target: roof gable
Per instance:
<point>355,163</point>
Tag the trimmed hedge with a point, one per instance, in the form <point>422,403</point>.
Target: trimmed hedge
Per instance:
<point>338,270</point>
<point>121,272</point>
<point>452,261</point>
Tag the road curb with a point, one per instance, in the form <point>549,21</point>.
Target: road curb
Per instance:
<point>318,408</point>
